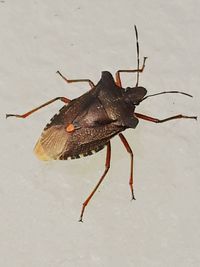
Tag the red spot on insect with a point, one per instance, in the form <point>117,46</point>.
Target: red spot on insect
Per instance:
<point>70,128</point>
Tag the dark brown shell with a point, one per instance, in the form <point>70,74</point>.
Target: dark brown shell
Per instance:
<point>97,116</point>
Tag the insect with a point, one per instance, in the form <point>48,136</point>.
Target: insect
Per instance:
<point>86,124</point>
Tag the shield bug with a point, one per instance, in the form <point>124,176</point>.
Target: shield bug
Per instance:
<point>87,123</point>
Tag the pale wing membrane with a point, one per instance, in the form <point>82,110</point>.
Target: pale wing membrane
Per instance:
<point>51,143</point>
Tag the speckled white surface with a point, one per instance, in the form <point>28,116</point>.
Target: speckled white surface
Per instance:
<point>40,202</point>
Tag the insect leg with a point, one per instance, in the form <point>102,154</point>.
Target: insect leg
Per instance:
<point>107,166</point>
<point>23,116</point>
<point>77,80</point>
<point>129,150</point>
<point>117,74</point>
<point>147,118</point>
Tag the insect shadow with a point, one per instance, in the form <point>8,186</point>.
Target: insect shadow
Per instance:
<point>86,124</point>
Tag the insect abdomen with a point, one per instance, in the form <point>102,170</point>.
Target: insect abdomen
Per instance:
<point>57,144</point>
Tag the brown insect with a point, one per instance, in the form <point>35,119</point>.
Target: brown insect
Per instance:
<point>86,124</point>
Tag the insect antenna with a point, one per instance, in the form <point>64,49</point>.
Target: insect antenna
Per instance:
<point>138,55</point>
<point>166,92</point>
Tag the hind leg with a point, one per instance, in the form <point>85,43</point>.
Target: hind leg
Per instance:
<point>23,116</point>
<point>107,166</point>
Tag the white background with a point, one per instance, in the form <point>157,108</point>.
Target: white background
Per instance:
<point>40,202</point>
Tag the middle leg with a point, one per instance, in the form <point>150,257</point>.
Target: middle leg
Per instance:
<point>76,80</point>
<point>129,150</point>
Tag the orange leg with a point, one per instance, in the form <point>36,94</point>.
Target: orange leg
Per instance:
<point>77,80</point>
<point>23,116</point>
<point>129,150</point>
<point>107,166</point>
<point>147,118</point>
<point>117,74</point>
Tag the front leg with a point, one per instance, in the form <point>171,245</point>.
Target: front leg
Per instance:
<point>118,77</point>
<point>155,120</point>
